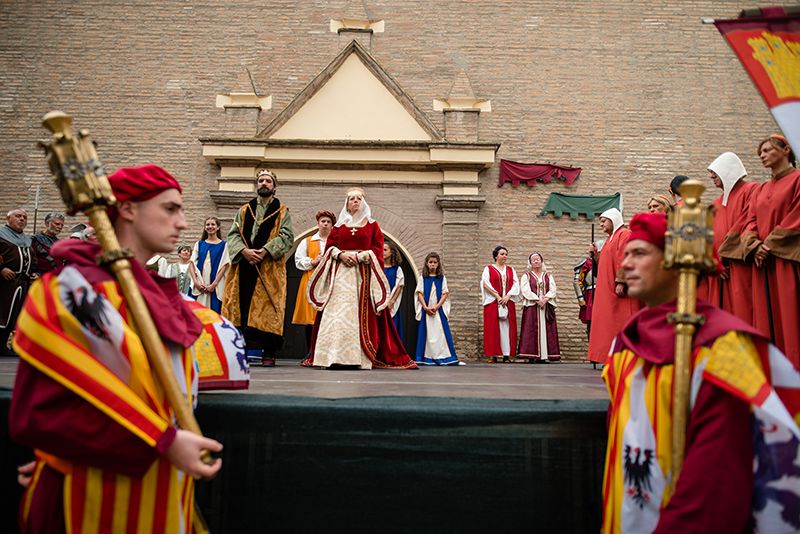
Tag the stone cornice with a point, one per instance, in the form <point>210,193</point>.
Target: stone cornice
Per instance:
<point>306,143</point>
<point>460,202</point>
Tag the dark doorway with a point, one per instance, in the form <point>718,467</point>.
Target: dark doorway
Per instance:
<point>294,336</point>
<point>410,325</point>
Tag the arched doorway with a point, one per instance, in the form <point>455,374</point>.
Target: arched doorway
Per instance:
<point>294,336</point>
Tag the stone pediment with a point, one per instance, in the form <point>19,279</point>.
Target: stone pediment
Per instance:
<point>352,124</point>
<point>352,99</point>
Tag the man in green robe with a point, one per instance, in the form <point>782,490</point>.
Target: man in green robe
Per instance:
<point>255,292</point>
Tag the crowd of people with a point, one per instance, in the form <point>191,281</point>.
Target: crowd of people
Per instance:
<point>756,228</point>
<point>742,439</point>
<point>349,271</point>
<point>753,235</point>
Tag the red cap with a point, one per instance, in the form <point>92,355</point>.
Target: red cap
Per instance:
<point>650,227</point>
<point>138,184</point>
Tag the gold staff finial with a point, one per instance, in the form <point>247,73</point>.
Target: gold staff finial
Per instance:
<point>688,248</point>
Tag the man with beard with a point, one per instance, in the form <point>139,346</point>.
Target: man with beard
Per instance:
<point>41,242</point>
<point>255,293</point>
<point>15,273</point>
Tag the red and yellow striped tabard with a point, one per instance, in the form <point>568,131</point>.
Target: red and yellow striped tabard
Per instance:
<point>53,342</point>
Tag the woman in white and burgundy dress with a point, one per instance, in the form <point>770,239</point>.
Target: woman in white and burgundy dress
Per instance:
<point>349,288</point>
<point>538,333</point>
<point>499,291</point>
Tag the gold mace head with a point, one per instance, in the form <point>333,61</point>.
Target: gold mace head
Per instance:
<point>690,235</point>
<point>77,169</point>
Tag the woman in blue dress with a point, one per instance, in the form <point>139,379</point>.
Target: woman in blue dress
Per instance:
<point>434,340</point>
<point>210,265</point>
<point>394,274</point>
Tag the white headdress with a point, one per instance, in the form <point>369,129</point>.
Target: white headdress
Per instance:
<point>615,216</point>
<point>355,219</point>
<point>530,267</point>
<point>730,170</point>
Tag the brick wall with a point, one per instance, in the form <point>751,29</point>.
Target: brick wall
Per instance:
<point>632,92</point>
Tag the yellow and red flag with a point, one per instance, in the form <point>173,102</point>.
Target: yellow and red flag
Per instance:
<point>768,45</point>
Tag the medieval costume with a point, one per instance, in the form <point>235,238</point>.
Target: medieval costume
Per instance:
<point>85,397</point>
<point>40,247</point>
<point>180,272</point>
<point>499,322</point>
<point>742,441</point>
<point>308,249</point>
<point>255,295</point>
<point>732,403</point>
<point>584,285</point>
<point>434,339</point>
<point>158,264</point>
<point>397,281</point>
<point>209,259</point>
<point>15,254</point>
<point>734,292</point>
<point>774,219</point>
<point>610,312</point>
<point>354,328</point>
<point>538,333</point>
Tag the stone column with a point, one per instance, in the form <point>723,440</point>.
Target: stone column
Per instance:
<point>463,267</point>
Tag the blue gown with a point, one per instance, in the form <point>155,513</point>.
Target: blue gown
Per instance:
<point>391,276</point>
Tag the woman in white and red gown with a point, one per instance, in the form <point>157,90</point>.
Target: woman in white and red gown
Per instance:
<point>499,292</point>
<point>349,288</point>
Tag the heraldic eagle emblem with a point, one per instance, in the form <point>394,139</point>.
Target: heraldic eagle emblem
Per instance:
<point>637,474</point>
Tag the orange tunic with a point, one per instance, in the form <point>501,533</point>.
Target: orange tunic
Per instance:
<point>609,312</point>
<point>304,313</point>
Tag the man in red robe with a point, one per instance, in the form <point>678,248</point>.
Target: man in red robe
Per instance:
<point>732,289</point>
<point>772,236</point>
<point>108,455</point>
<point>742,438</point>
<point>612,305</point>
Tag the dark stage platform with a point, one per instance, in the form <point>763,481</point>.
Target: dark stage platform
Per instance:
<point>478,448</point>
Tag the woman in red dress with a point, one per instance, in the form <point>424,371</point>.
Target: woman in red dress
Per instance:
<point>350,288</point>
<point>772,236</point>
<point>499,291</point>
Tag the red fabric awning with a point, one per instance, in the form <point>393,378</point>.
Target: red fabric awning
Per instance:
<point>531,173</point>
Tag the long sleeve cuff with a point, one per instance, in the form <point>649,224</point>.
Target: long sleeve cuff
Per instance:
<point>166,439</point>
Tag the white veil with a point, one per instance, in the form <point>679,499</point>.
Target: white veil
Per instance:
<point>364,212</point>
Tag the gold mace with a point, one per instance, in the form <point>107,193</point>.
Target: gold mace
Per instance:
<point>688,248</point>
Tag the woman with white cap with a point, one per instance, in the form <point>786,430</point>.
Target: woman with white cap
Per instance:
<point>349,288</point>
<point>612,307</point>
<point>732,289</point>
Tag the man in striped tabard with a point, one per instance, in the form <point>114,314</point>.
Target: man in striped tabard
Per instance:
<point>740,471</point>
<point>109,457</point>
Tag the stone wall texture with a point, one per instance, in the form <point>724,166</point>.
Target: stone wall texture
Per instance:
<point>632,92</point>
